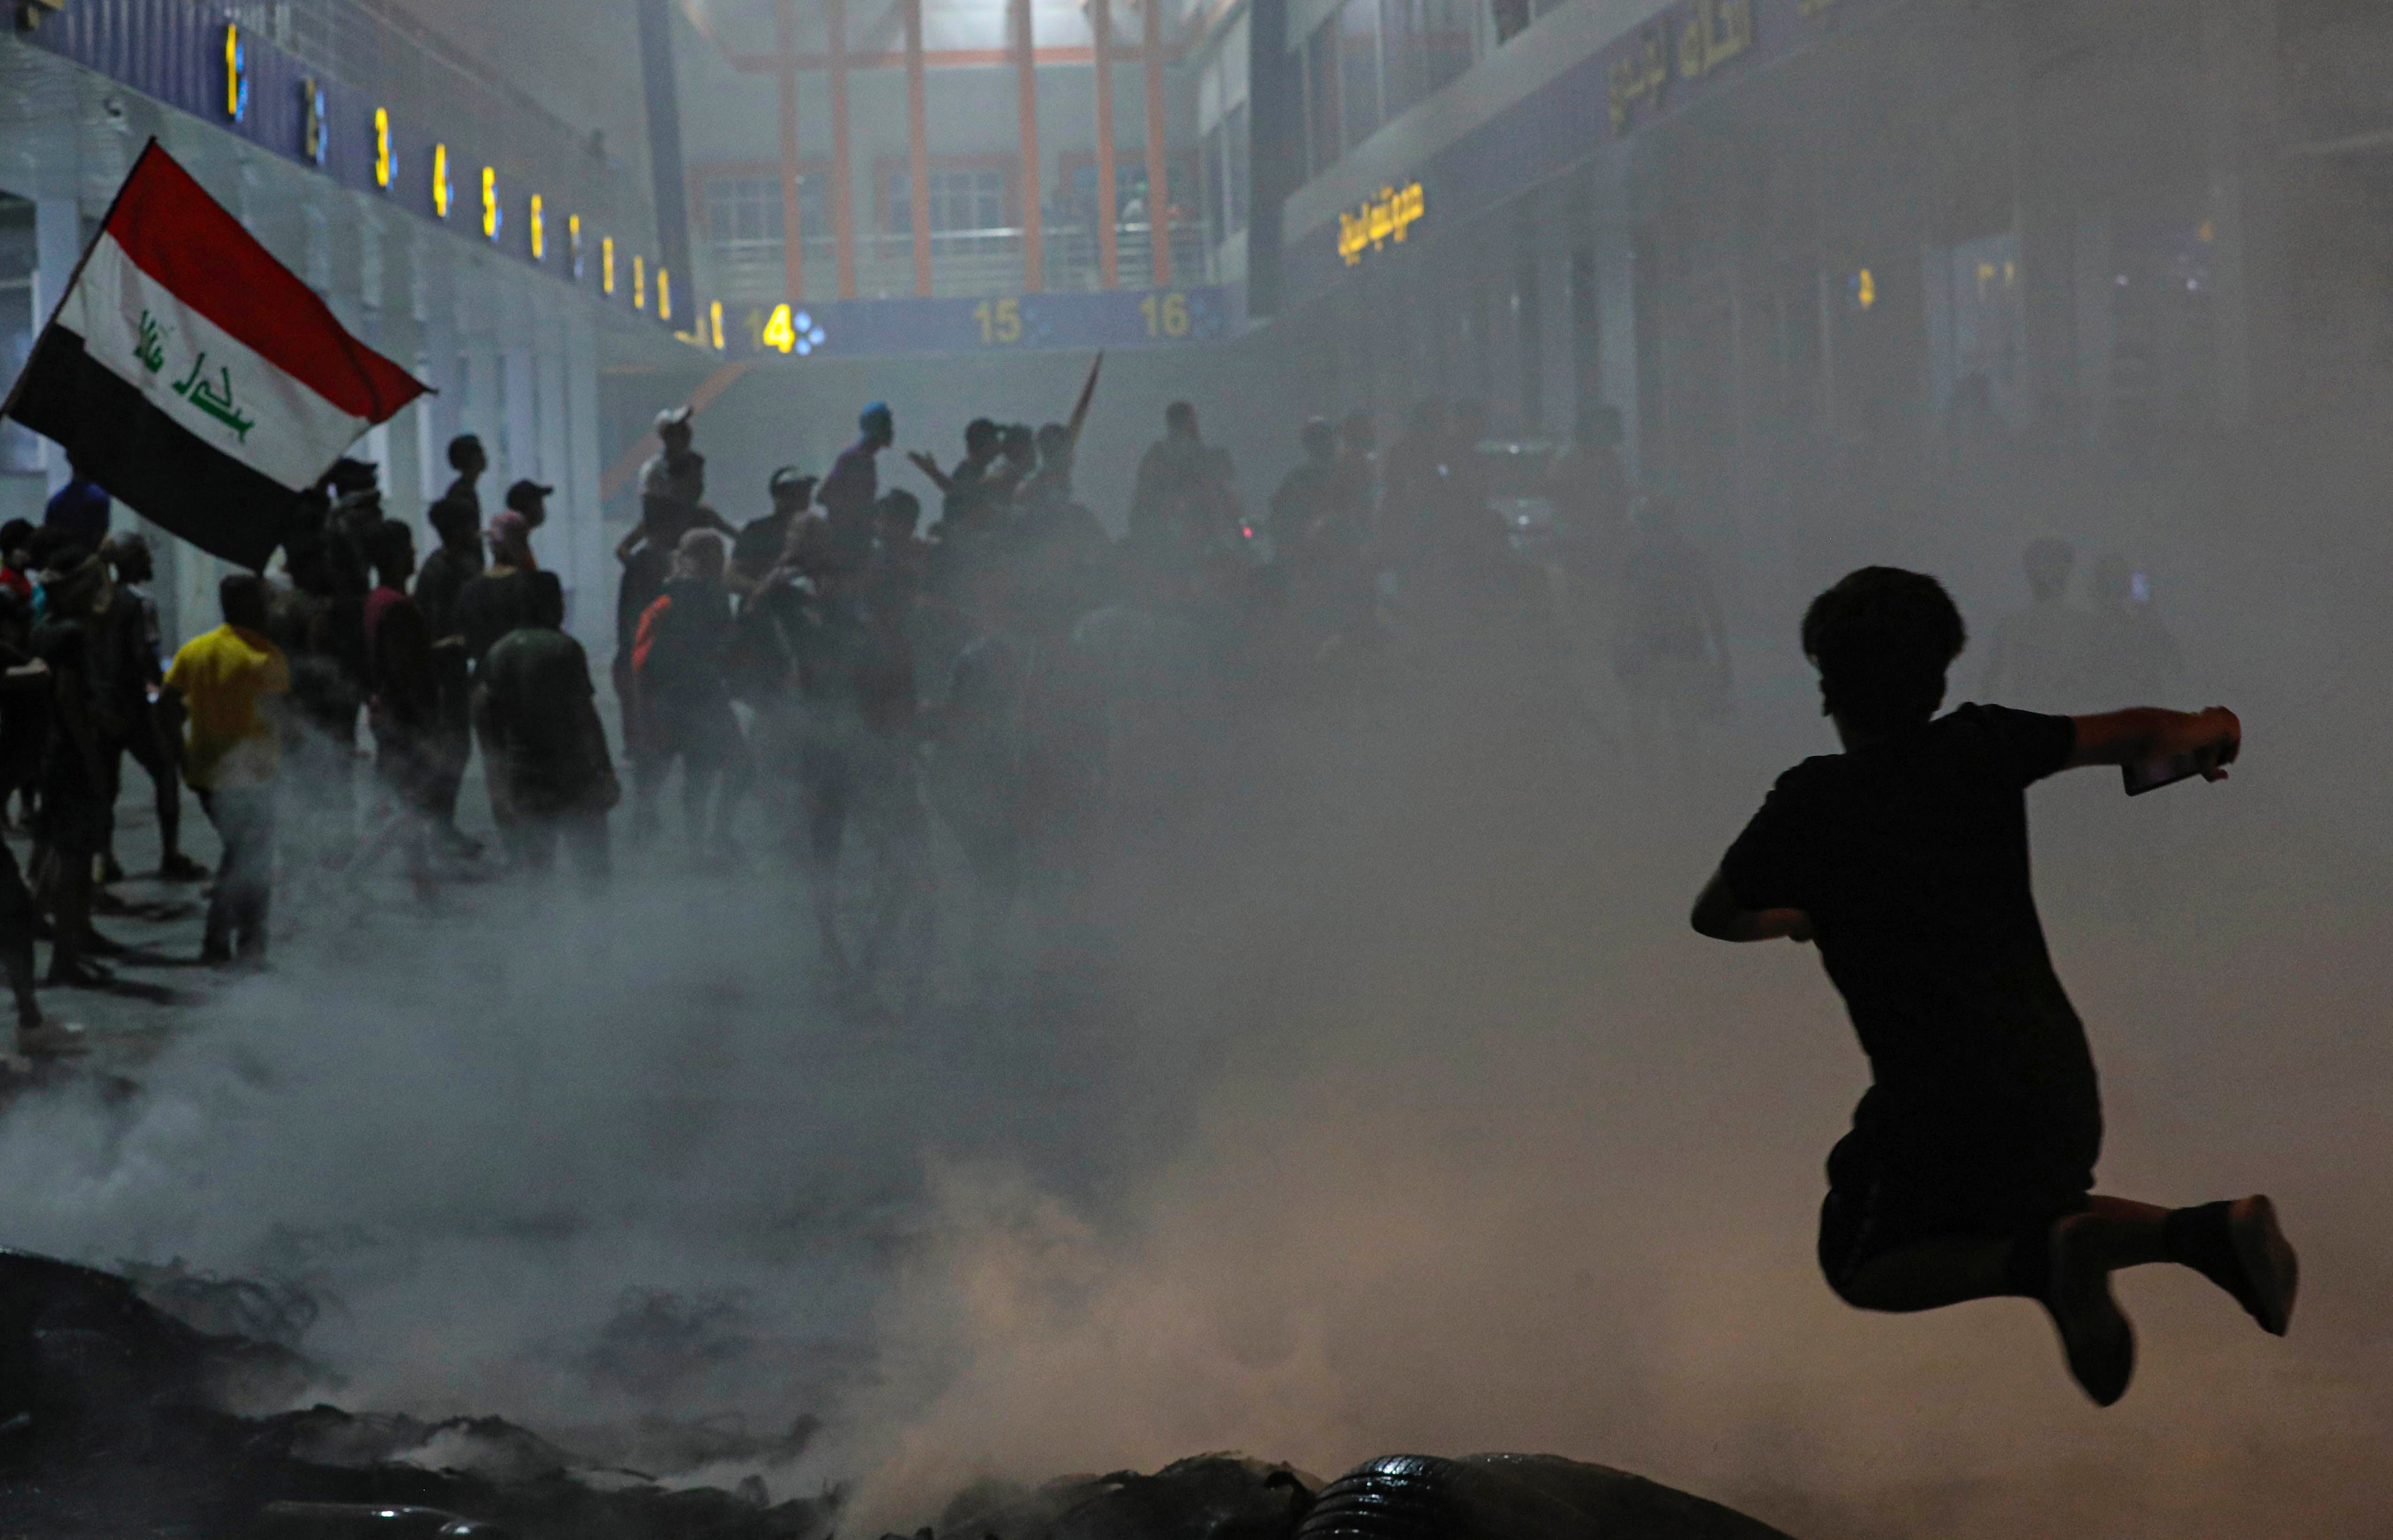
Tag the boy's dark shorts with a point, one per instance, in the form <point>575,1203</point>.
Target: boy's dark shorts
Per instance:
<point>1873,1208</point>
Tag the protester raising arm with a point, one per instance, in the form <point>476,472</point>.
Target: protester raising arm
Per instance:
<point>2147,734</point>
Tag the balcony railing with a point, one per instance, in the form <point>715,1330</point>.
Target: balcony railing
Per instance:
<point>964,264</point>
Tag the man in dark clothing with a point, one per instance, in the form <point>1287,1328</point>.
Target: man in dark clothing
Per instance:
<point>1303,498</point>
<point>468,459</point>
<point>679,659</point>
<point>446,573</point>
<point>1181,502</point>
<point>497,599</point>
<point>403,705</point>
<point>71,829</point>
<point>759,547</point>
<point>25,687</point>
<point>1970,1169</point>
<point>546,753</point>
<point>961,486</point>
<point>126,712</point>
<point>854,484</point>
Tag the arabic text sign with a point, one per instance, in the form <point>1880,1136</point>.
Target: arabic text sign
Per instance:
<point>1378,221</point>
<point>1684,46</point>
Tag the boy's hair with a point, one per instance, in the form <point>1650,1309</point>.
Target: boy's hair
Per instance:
<point>390,545</point>
<point>544,599</point>
<point>1882,639</point>
<point>463,448</point>
<point>243,597</point>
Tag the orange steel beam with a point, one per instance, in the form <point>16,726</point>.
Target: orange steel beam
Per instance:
<point>627,464</point>
<point>794,263</point>
<point>1158,194</point>
<point>843,204</point>
<point>1107,211</point>
<point>1026,64</point>
<point>918,151</point>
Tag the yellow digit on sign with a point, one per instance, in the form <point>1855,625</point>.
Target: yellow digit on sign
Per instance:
<point>779,334</point>
<point>1009,320</point>
<point>490,202</point>
<point>1175,315</point>
<point>382,147</point>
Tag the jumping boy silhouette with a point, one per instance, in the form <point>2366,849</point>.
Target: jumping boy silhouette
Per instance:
<point>1970,1169</point>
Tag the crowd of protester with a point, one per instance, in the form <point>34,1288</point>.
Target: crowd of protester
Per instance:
<point>829,686</point>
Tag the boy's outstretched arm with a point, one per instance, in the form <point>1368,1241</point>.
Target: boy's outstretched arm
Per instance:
<point>2145,735</point>
<point>1718,916</point>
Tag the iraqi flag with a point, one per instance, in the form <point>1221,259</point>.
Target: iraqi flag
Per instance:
<point>194,376</point>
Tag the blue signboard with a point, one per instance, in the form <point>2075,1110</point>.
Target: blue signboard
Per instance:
<point>196,58</point>
<point>1116,319</point>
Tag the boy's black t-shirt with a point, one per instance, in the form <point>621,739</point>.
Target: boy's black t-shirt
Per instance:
<point>1911,858</point>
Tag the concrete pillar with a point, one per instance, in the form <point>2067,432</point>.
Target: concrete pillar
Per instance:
<point>588,568</point>
<point>1615,289</point>
<point>2245,142</point>
<point>57,245</point>
<point>521,397</point>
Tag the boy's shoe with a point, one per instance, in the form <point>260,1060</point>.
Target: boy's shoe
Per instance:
<point>2093,1332</point>
<point>52,1041</point>
<point>2272,1272</point>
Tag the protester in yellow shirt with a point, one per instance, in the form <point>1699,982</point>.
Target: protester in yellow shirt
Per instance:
<point>231,682</point>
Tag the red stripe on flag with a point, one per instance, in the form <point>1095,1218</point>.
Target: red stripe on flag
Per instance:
<point>173,231</point>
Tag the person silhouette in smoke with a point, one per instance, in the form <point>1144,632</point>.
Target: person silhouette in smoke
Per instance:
<point>1969,1170</point>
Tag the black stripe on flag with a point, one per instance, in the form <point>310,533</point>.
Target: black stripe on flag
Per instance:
<point>147,459</point>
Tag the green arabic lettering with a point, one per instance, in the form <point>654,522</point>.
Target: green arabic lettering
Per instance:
<point>184,389</point>
<point>151,349</point>
<point>219,404</point>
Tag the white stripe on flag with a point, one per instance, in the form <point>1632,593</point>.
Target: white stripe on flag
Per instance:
<point>201,375</point>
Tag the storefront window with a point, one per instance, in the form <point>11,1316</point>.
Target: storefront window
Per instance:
<point>1321,114</point>
<point>1358,69</point>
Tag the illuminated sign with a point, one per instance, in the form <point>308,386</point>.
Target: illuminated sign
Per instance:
<point>664,294</point>
<point>1865,288</point>
<point>382,147</point>
<point>1378,221</point>
<point>1711,33</point>
<point>801,334</point>
<point>714,323</point>
<point>440,181</point>
<point>539,227</point>
<point>573,244</point>
<point>607,265</point>
<point>313,141</point>
<point>493,217</point>
<point>639,283</point>
<point>236,60</point>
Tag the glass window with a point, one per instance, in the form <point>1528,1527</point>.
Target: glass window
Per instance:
<point>961,201</point>
<point>1402,67</point>
<point>1321,99</point>
<point>1446,41</point>
<point>741,209</point>
<point>1358,69</point>
<point>746,211</point>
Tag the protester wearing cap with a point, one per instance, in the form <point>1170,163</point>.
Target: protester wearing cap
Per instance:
<point>530,499</point>
<point>853,484</point>
<point>761,544</point>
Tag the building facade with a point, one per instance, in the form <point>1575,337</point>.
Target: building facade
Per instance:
<point>507,256</point>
